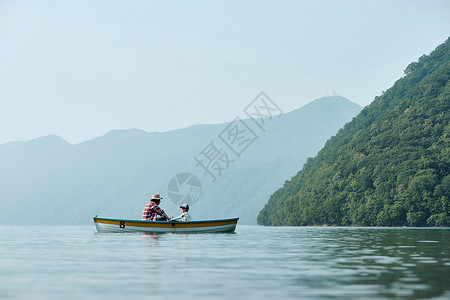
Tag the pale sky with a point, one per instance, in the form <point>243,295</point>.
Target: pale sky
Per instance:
<point>81,68</point>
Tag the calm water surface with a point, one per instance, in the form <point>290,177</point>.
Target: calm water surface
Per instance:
<point>51,262</point>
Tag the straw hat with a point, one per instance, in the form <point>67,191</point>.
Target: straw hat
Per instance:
<point>156,197</point>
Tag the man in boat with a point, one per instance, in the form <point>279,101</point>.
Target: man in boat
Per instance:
<point>152,212</point>
<point>185,216</point>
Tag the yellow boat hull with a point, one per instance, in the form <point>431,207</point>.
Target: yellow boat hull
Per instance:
<point>106,225</point>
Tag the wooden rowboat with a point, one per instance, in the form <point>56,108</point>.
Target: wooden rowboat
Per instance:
<point>104,225</point>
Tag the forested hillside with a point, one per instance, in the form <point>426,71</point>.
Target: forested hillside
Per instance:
<point>388,167</point>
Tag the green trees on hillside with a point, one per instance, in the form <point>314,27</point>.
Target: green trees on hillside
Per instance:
<point>388,167</point>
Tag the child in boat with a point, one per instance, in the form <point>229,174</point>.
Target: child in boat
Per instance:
<point>185,216</point>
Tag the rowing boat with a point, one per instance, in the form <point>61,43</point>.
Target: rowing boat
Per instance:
<point>105,225</point>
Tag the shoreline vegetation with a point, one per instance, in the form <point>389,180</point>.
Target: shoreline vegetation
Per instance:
<point>353,226</point>
<point>388,167</point>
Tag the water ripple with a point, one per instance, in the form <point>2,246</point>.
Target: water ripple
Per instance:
<point>255,263</point>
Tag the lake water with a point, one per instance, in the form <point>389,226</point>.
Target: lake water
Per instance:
<point>75,262</point>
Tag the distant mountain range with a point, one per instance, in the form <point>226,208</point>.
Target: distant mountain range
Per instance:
<point>222,170</point>
<point>389,166</point>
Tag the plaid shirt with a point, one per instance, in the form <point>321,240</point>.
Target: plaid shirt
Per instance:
<point>151,211</point>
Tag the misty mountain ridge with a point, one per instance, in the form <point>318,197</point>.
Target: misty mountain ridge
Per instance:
<point>56,140</point>
<point>114,175</point>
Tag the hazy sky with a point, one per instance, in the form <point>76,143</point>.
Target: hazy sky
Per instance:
<point>81,68</point>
